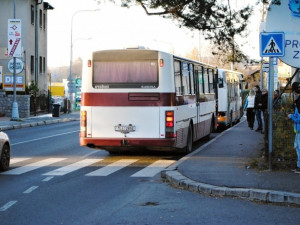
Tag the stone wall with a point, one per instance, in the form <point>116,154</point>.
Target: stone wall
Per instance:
<point>6,105</point>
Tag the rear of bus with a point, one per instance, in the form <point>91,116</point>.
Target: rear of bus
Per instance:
<point>127,100</point>
<point>229,97</point>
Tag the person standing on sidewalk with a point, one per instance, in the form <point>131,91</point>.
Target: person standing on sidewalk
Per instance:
<point>249,105</point>
<point>257,107</point>
<point>264,108</point>
<point>296,119</point>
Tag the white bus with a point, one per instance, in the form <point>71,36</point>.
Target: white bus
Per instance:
<point>134,98</point>
<point>230,109</point>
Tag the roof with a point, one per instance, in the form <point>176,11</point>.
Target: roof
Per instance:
<point>47,6</point>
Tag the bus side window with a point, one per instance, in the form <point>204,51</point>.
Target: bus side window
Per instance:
<point>185,79</point>
<point>178,85</point>
<point>200,80</point>
<point>220,82</point>
<point>191,71</point>
<point>206,84</point>
<point>211,81</point>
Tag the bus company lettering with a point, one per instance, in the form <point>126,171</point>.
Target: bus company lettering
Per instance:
<point>101,86</point>
<point>295,46</point>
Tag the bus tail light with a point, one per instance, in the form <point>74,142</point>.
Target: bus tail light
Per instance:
<point>83,124</point>
<point>161,63</point>
<point>170,124</point>
<point>89,63</point>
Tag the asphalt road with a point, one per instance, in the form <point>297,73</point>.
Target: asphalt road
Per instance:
<point>53,180</point>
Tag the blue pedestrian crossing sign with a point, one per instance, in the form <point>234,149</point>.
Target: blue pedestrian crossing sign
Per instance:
<point>272,44</point>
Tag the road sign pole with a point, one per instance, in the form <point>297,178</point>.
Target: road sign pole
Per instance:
<point>270,109</point>
<point>15,111</point>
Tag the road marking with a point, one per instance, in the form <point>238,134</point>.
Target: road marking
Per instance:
<point>16,160</point>
<point>70,168</point>
<point>153,169</point>
<point>32,166</point>
<point>47,179</point>
<point>38,139</point>
<point>31,189</point>
<point>111,168</point>
<point>7,205</point>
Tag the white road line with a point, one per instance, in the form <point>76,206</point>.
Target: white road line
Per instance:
<point>38,139</point>
<point>47,179</point>
<point>16,160</point>
<point>153,169</point>
<point>31,189</point>
<point>32,166</point>
<point>70,168</point>
<point>7,206</point>
<point>111,168</point>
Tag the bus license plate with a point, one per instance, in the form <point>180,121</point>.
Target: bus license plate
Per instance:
<point>125,128</point>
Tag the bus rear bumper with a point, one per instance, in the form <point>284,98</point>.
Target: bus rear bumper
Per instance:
<point>128,143</point>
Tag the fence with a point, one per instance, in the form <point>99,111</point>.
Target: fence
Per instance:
<point>39,104</point>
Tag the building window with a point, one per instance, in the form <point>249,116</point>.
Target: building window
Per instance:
<point>41,64</point>
<point>44,20</point>
<point>44,65</point>
<point>32,65</point>
<point>32,15</point>
<point>41,18</point>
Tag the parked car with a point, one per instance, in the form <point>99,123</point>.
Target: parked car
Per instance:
<point>4,151</point>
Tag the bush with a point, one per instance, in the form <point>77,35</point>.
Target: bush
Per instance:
<point>284,156</point>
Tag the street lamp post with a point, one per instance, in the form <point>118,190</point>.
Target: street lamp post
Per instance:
<point>71,83</point>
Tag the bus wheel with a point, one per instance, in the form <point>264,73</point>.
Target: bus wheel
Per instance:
<point>211,130</point>
<point>189,141</point>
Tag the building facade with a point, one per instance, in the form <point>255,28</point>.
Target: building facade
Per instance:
<point>33,16</point>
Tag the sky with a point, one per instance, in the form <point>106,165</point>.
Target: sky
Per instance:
<point>113,27</point>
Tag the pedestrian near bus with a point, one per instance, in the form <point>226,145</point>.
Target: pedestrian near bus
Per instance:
<point>277,100</point>
<point>296,119</point>
<point>264,108</point>
<point>249,105</point>
<point>257,107</point>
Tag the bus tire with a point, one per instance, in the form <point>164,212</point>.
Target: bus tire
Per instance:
<point>189,141</point>
<point>211,129</point>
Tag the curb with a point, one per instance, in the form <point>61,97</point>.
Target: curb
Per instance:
<point>35,123</point>
<point>176,179</point>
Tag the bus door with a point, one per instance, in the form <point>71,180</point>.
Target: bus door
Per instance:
<point>198,78</point>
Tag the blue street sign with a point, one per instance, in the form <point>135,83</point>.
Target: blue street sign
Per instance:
<point>272,44</point>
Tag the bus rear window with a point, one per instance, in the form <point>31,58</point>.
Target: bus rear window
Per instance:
<point>125,74</point>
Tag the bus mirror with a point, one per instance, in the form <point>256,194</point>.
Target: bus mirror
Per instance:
<point>221,82</point>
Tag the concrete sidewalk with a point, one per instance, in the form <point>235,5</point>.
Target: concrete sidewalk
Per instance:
<point>219,168</point>
<point>7,124</point>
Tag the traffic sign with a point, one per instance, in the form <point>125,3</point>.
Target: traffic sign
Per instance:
<point>78,81</point>
<point>14,38</point>
<point>71,87</point>
<point>265,67</point>
<point>19,65</point>
<point>272,44</point>
<point>288,22</point>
